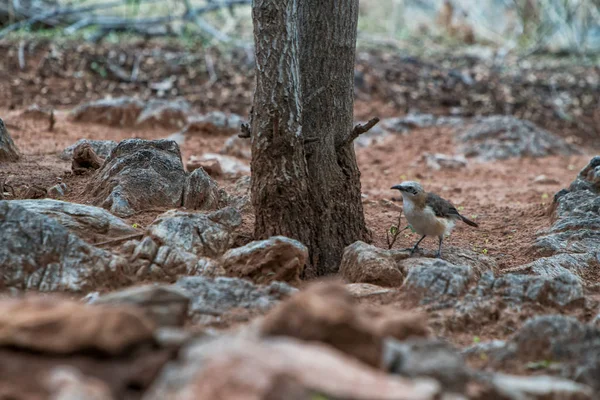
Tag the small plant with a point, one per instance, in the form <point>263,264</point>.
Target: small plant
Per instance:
<point>135,226</point>
<point>394,231</point>
<point>476,339</point>
<point>484,251</point>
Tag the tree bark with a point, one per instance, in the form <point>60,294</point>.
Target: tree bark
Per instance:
<point>305,180</point>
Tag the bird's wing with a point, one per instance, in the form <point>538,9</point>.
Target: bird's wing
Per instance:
<point>441,207</point>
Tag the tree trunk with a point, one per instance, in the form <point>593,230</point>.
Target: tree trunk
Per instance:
<point>305,180</point>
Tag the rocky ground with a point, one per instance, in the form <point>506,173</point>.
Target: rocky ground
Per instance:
<point>128,269</point>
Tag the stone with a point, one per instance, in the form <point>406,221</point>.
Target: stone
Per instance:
<point>121,111</point>
<point>102,148</point>
<point>282,368</point>
<point>139,175</point>
<point>367,290</point>
<point>434,279</point>
<point>545,180</point>
<point>8,149</point>
<point>85,159</point>
<point>500,137</point>
<point>166,305</point>
<point>55,325</point>
<point>238,147</point>
<point>164,113</point>
<point>218,164</point>
<point>37,252</point>
<point>542,387</point>
<point>580,266</point>
<point>365,263</point>
<point>201,192</point>
<point>36,112</point>
<point>439,161</point>
<point>217,296</point>
<point>214,123</point>
<point>427,358</point>
<point>68,383</point>
<point>88,222</point>
<point>200,234</point>
<point>275,259</point>
<point>57,191</point>
<point>418,121</point>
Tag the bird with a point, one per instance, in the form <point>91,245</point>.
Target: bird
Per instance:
<point>429,214</point>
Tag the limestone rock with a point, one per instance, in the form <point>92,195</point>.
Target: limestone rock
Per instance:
<point>434,279</point>
<point>120,111</point>
<point>139,174</point>
<point>214,123</point>
<point>37,252</point>
<point>501,137</point>
<point>539,388</point>
<point>102,148</point>
<point>201,192</point>
<point>8,149</point>
<point>164,113</point>
<point>364,263</point>
<point>88,222</point>
<point>275,259</point>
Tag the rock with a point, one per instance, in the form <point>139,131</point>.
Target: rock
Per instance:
<point>166,305</point>
<point>68,383</point>
<point>37,252</point>
<point>164,113</point>
<point>418,121</point>
<point>201,192</point>
<point>217,165</point>
<point>139,175</point>
<point>280,369</point>
<point>214,122</point>
<point>238,147</point>
<point>513,387</point>
<point>57,191</point>
<point>364,263</point>
<point>208,235</point>
<point>217,296</point>
<point>545,180</point>
<point>275,259</point>
<point>434,279</point>
<point>37,113</point>
<point>54,325</point>
<point>92,223</point>
<point>85,160</point>
<point>149,260</point>
<point>580,266</point>
<point>439,161</point>
<point>427,358</point>
<point>8,149</point>
<point>500,137</point>
<point>365,290</point>
<point>121,111</point>
<point>102,148</point>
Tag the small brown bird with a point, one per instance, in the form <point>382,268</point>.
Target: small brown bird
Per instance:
<point>428,214</point>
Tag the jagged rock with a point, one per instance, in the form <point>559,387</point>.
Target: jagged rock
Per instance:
<point>215,122</point>
<point>217,165</point>
<point>138,175</point>
<point>365,263</point>
<point>280,369</point>
<point>102,148</point>
<point>208,235</point>
<point>150,260</point>
<point>201,192</point>
<point>513,387</point>
<point>121,111</point>
<point>164,113</point>
<point>37,252</point>
<point>57,191</point>
<point>92,223</point>
<point>217,296</point>
<point>236,146</point>
<point>55,325</point>
<point>166,305</point>
<point>8,149</point>
<point>275,259</point>
<point>85,159</point>
<point>581,266</point>
<point>500,137</point>
<point>434,279</point>
<point>427,358</point>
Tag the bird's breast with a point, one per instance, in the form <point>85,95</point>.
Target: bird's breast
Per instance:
<point>424,221</point>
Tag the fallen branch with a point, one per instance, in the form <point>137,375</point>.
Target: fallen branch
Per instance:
<point>111,241</point>
<point>359,130</point>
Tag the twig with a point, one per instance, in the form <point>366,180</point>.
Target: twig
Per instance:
<point>51,121</point>
<point>359,130</point>
<point>210,67</point>
<point>22,55</point>
<point>395,230</point>
<point>111,241</point>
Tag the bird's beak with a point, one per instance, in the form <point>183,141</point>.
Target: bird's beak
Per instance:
<point>398,187</point>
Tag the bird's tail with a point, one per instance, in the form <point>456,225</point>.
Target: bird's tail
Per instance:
<point>469,222</point>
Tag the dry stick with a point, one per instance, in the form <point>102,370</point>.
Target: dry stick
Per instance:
<point>136,235</point>
<point>394,234</point>
<point>359,130</point>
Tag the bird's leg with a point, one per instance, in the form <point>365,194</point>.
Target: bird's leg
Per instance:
<point>417,245</point>
<point>439,253</point>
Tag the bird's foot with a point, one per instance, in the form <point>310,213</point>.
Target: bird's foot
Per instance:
<point>438,255</point>
<point>414,250</point>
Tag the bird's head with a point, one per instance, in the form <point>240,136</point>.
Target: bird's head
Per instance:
<point>409,188</point>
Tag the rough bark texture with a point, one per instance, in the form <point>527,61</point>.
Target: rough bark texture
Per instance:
<point>305,180</point>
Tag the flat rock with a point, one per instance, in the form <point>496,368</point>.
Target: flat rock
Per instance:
<point>88,222</point>
<point>217,296</point>
<point>438,161</point>
<point>365,263</point>
<point>501,137</point>
<point>200,234</point>
<point>579,265</point>
<point>37,252</point>
<point>166,305</point>
<point>102,148</point>
<point>275,259</point>
<point>164,113</point>
<point>120,111</point>
<point>8,149</point>
<point>215,123</point>
<point>138,175</point>
<point>55,325</point>
<point>280,369</point>
<point>434,279</point>
<point>542,387</point>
